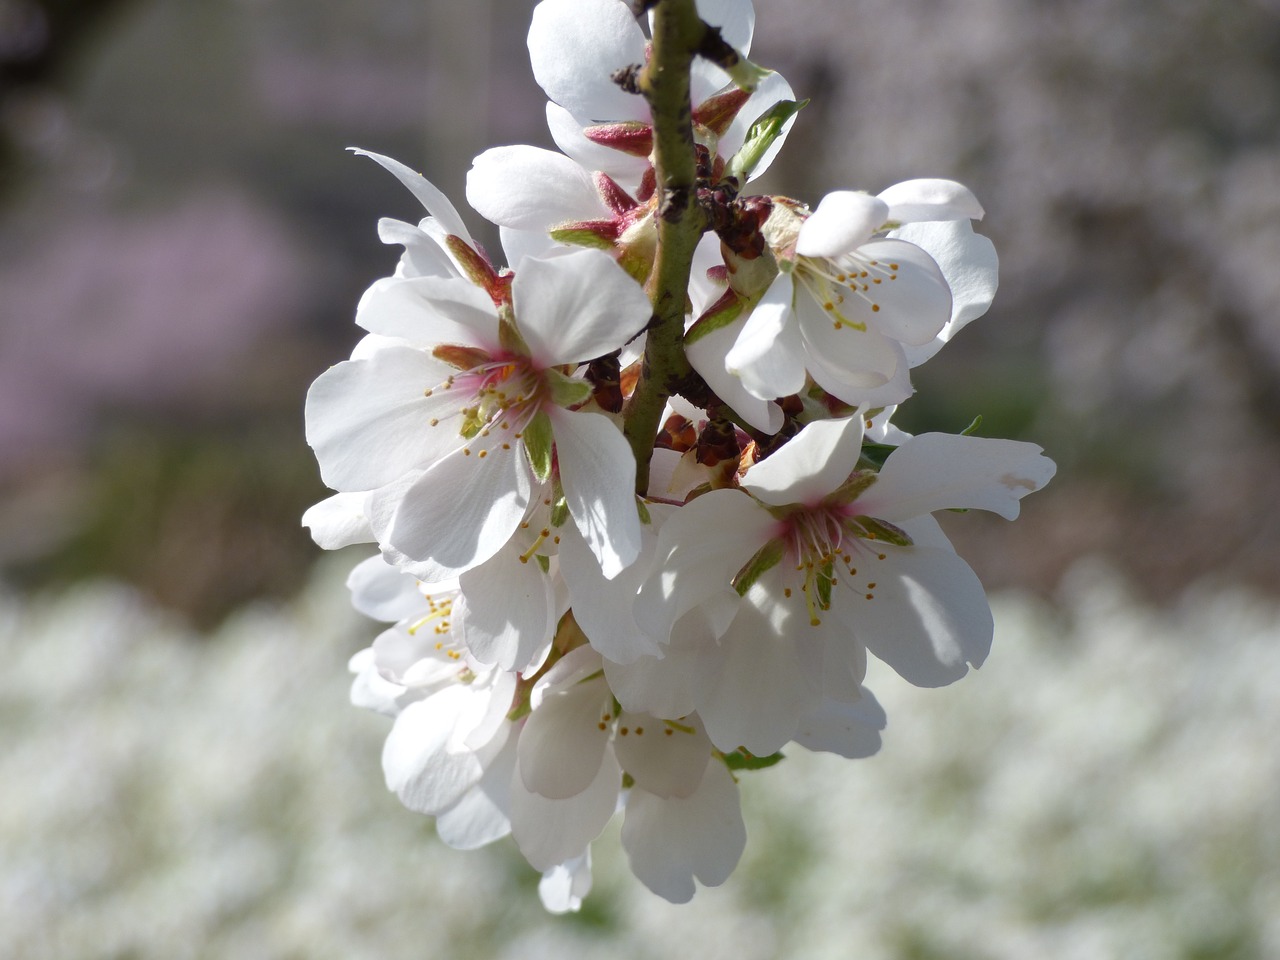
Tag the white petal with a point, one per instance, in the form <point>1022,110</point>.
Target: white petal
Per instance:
<point>564,740</point>
<point>908,287</point>
<point>577,307</point>
<point>458,514</point>
<point>421,760</point>
<point>480,815</point>
<point>969,264</point>
<point>861,359</point>
<point>928,618</point>
<point>843,221</point>
<point>369,421</point>
<point>427,311</point>
<point>939,471</point>
<point>914,200</point>
<point>768,355</point>
<point>576,45</point>
<point>708,356</point>
<point>508,616</point>
<point>598,473</point>
<point>435,202</point>
<point>603,607</point>
<point>423,256</point>
<point>811,465</point>
<point>549,832</point>
<point>762,687</point>
<point>664,759</point>
<point>563,887</point>
<point>339,521</point>
<point>856,391</point>
<point>384,592</point>
<point>669,842</point>
<point>529,188</point>
<point>850,730</point>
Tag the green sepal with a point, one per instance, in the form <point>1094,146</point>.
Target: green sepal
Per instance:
<point>722,313</point>
<point>566,391</point>
<point>875,454</point>
<point>539,443</point>
<point>509,334</point>
<point>883,531</point>
<point>762,135</point>
<point>767,557</point>
<point>582,237</point>
<point>628,781</point>
<point>643,509</point>
<point>559,505</point>
<point>544,562</point>
<point>741,759</point>
<point>972,428</point>
<point>852,488</point>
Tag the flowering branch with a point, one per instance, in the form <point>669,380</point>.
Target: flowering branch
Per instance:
<point>678,33</point>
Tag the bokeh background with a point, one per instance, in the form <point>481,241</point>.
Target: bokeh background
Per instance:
<point>182,242</point>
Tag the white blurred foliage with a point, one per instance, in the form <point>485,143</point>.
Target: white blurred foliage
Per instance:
<point>1106,786</point>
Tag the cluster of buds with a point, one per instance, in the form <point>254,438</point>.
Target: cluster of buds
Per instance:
<point>639,508</point>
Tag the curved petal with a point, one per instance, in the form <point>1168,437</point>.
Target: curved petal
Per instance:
<point>339,521</point>
<point>456,515</point>
<point>598,473</point>
<point>664,759</point>
<point>708,355</point>
<point>564,740</point>
<point>430,196</point>
<point>850,730</point>
<point>907,287</point>
<point>811,465</point>
<point>867,391</point>
<point>927,616</point>
<point>670,841</point>
<point>843,221</point>
<point>863,359</point>
<point>768,355</point>
<point>384,592</point>
<point>508,614</point>
<point>563,887</point>
<point>549,832</point>
<point>428,311</point>
<point>575,46</point>
<point>369,422</point>
<point>940,471</point>
<point>480,815</point>
<point>577,307</point>
<point>914,200</point>
<point>529,188</point>
<point>969,264</point>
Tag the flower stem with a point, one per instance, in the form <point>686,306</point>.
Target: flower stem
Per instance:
<point>664,82</point>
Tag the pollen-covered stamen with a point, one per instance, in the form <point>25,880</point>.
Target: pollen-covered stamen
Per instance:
<point>833,281</point>
<point>495,395</point>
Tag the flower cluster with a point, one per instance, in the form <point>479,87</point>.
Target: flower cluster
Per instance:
<point>637,534</point>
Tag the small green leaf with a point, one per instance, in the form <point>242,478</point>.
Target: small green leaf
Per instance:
<point>972,428</point>
<point>742,759</point>
<point>883,531</point>
<point>762,135</point>
<point>544,562</point>
<point>643,509</point>
<point>582,237</point>
<point>767,557</point>
<point>538,441</point>
<point>566,391</point>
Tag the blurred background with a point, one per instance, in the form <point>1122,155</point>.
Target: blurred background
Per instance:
<point>183,240</point>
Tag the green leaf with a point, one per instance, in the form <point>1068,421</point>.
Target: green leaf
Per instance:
<point>538,441</point>
<point>762,135</point>
<point>566,391</point>
<point>767,557</point>
<point>883,531</point>
<point>972,428</point>
<point>742,759</point>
